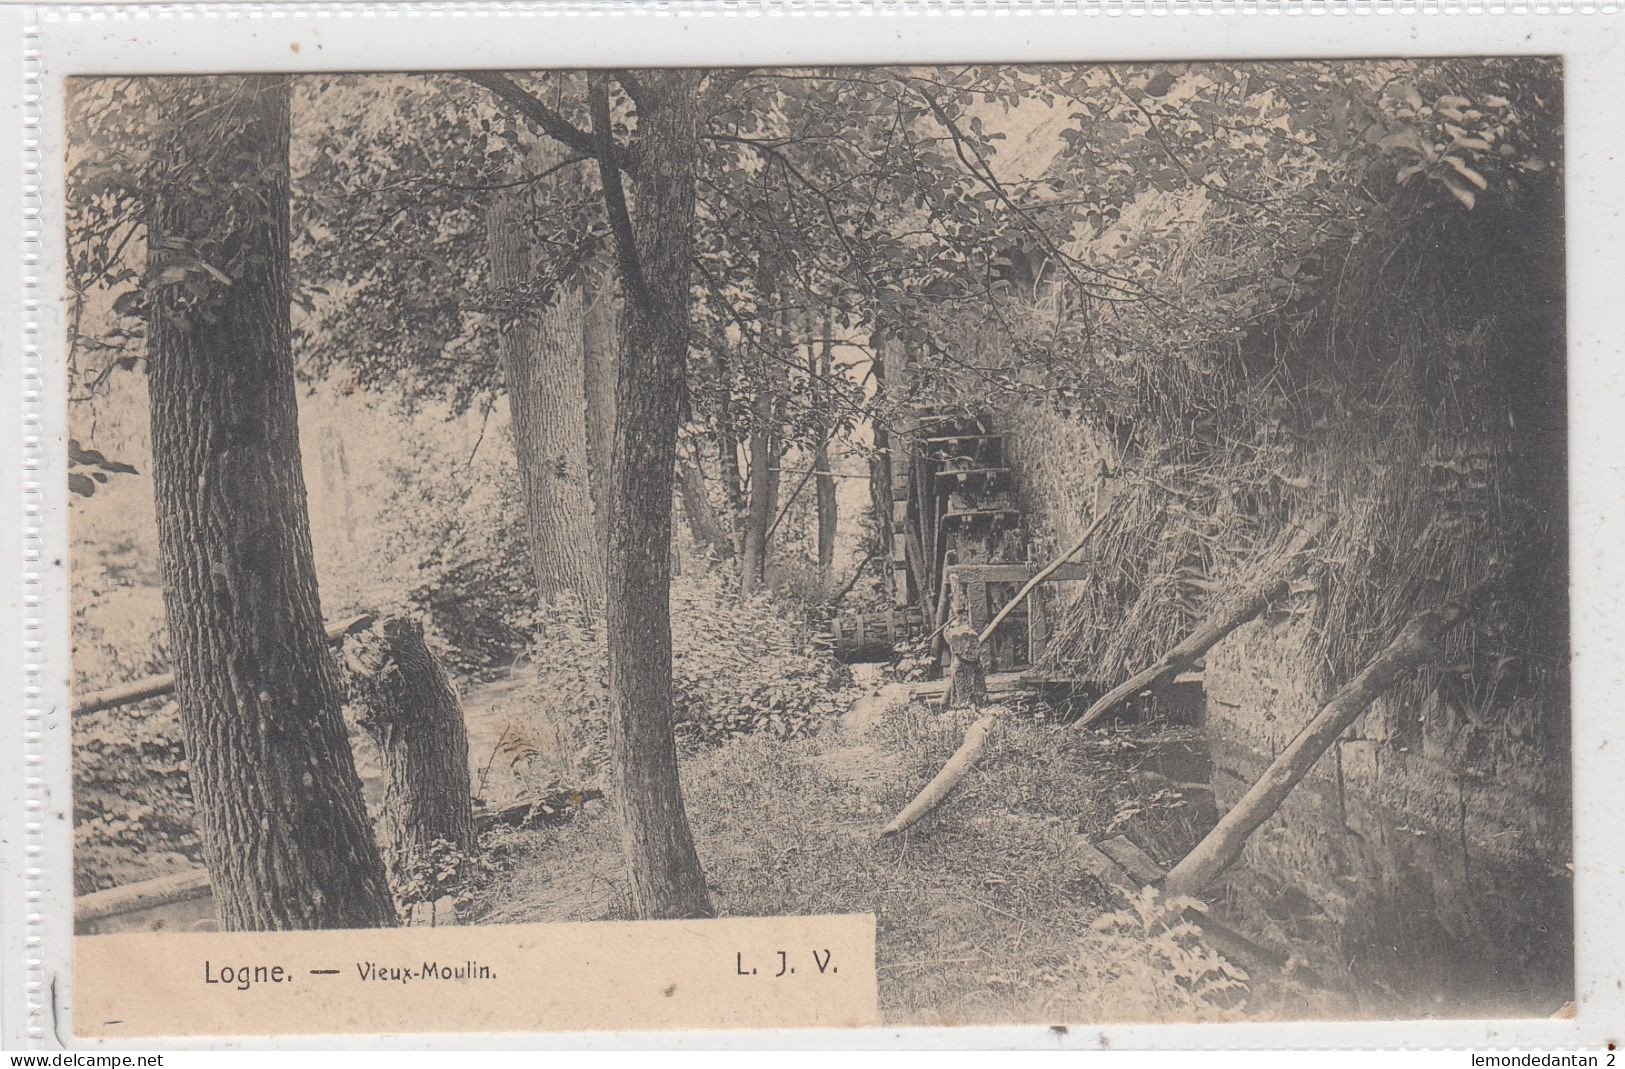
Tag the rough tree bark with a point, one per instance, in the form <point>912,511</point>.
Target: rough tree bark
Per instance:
<point>544,363</point>
<point>279,809</point>
<point>406,704</point>
<point>654,250</point>
<point>602,326</point>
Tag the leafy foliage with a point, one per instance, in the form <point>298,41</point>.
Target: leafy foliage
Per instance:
<point>1354,281</point>
<point>1146,959</point>
<point>739,666</point>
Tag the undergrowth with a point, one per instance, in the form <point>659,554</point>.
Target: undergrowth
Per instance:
<point>984,912</point>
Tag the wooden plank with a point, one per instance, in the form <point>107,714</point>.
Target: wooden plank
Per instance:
<point>1136,862</point>
<point>1104,869</point>
<point>1037,629</point>
<point>956,473</point>
<point>1017,573</point>
<point>997,683</point>
<point>976,603</point>
<point>958,514</point>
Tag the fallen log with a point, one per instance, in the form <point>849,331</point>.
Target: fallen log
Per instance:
<point>159,685</point>
<point>943,783</point>
<point>1416,642</point>
<point>1233,614</point>
<point>147,894</point>
<point>553,809</point>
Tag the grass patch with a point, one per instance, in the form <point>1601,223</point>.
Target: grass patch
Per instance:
<point>982,909</point>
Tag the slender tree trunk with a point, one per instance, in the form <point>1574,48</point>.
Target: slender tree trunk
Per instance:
<point>284,831</point>
<point>824,487</point>
<point>759,504</point>
<point>880,463</point>
<point>406,704</point>
<point>703,522</point>
<point>602,327</point>
<point>544,363</point>
<point>654,250</point>
<point>733,480</point>
<point>778,376</point>
<point>762,493</point>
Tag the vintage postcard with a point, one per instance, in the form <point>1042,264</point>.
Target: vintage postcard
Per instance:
<point>751,537</point>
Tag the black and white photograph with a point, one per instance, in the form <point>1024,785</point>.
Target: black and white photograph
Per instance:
<point>1106,521</point>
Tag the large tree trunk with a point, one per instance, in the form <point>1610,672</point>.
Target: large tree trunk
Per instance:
<point>602,328</point>
<point>544,363</point>
<point>664,870</point>
<point>279,808</point>
<point>406,704</point>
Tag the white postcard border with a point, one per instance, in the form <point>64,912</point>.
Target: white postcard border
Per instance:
<point>69,39</point>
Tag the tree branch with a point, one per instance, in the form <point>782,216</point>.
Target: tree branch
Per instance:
<point>609,171</point>
<point>632,87</point>
<point>533,108</point>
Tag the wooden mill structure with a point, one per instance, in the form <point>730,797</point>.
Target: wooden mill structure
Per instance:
<point>955,515</point>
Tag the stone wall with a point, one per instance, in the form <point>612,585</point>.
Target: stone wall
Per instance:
<point>1428,850</point>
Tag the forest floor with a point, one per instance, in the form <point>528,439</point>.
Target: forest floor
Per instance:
<point>981,908</point>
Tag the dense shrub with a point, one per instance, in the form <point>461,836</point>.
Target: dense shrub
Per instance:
<point>738,666</point>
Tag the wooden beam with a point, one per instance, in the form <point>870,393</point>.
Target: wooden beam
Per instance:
<point>159,685</point>
<point>1134,861</point>
<point>1016,573</point>
<point>997,683</point>
<point>1415,644</point>
<point>1231,614</point>
<point>943,783</point>
<point>1054,566</point>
